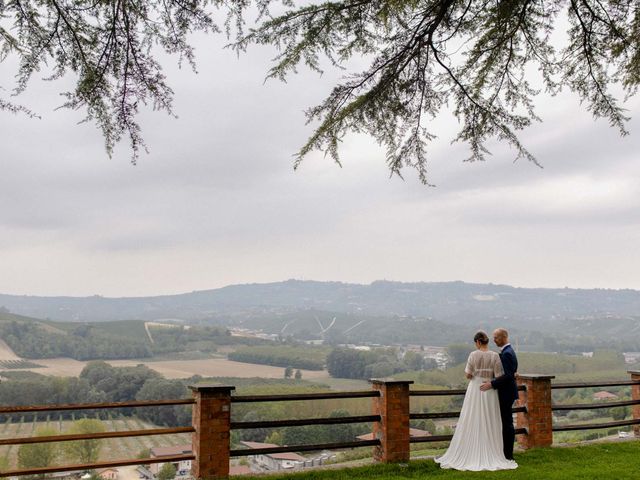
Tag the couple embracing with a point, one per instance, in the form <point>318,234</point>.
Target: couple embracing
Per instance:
<point>484,436</point>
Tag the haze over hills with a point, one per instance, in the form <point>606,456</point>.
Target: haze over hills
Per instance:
<point>385,313</point>
<point>457,302</point>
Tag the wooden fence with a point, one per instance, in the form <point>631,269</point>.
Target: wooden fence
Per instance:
<point>211,422</point>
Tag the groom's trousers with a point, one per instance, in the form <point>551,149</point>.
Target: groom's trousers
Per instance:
<point>508,432</point>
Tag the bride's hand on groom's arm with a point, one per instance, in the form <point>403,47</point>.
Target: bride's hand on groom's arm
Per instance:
<point>486,386</point>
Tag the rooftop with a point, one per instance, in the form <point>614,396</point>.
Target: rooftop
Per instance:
<point>278,456</point>
<point>168,451</point>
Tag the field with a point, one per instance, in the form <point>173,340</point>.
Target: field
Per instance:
<point>212,367</point>
<point>132,329</point>
<point>206,367</point>
<point>112,449</point>
<point>6,353</point>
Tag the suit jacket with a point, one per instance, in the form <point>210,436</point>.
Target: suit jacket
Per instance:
<point>506,384</point>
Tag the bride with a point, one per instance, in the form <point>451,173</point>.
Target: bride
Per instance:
<point>477,441</point>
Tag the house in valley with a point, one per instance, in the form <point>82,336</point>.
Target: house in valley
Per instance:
<point>273,461</point>
<point>183,467</point>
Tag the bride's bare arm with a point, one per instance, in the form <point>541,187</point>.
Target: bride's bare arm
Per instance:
<point>469,367</point>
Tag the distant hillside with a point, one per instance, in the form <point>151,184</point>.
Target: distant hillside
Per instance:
<point>129,329</point>
<point>28,337</point>
<point>33,338</point>
<point>6,317</point>
<point>458,302</point>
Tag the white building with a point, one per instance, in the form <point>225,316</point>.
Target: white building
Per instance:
<point>631,357</point>
<point>274,461</point>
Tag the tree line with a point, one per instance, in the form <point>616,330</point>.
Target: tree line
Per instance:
<point>38,455</point>
<point>99,382</point>
<point>180,339</point>
<point>308,358</point>
<point>30,340</point>
<point>307,434</point>
<point>381,362</point>
<point>92,342</point>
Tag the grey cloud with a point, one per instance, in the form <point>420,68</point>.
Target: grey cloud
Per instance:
<point>216,201</point>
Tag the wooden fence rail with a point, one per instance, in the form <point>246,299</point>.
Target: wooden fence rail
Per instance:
<point>95,406</point>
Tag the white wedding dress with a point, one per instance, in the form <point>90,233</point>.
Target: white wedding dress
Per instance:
<point>477,441</point>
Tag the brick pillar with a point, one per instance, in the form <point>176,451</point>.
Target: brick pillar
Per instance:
<point>393,430</point>
<point>635,395</point>
<point>537,419</point>
<point>212,421</point>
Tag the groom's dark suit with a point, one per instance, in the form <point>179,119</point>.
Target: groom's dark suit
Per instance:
<point>507,394</point>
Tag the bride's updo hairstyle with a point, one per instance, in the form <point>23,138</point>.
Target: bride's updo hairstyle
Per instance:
<point>481,337</point>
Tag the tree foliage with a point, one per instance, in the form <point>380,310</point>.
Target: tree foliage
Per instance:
<point>84,343</point>
<point>377,363</point>
<point>414,361</point>
<point>40,389</point>
<point>85,451</point>
<point>144,454</point>
<point>286,356</point>
<point>180,339</point>
<point>459,352</point>
<point>158,388</point>
<point>108,47</point>
<point>274,437</point>
<point>323,433</point>
<point>475,56</point>
<point>37,455</point>
<point>167,472</point>
<point>619,413</point>
<point>98,382</point>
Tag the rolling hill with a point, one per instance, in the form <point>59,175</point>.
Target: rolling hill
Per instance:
<point>458,302</point>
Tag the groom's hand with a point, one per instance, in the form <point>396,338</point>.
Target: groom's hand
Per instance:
<point>485,386</point>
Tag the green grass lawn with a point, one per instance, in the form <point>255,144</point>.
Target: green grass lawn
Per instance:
<point>590,462</point>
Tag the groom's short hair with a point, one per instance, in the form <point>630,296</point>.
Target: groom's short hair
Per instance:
<point>502,332</point>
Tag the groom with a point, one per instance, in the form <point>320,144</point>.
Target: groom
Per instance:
<point>507,388</point>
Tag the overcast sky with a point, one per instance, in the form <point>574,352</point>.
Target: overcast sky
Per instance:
<point>217,202</point>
